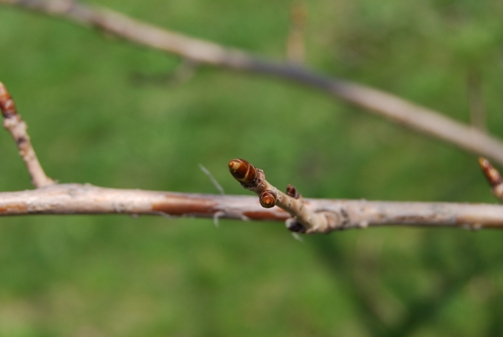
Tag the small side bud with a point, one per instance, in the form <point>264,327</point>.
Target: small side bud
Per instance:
<point>292,191</point>
<point>268,199</point>
<point>242,171</point>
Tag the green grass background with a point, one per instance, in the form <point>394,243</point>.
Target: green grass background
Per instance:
<point>92,121</point>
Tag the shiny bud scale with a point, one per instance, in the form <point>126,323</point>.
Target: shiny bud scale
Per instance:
<point>243,171</point>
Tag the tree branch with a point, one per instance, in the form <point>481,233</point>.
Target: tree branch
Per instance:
<point>88,199</point>
<point>17,128</point>
<point>400,111</point>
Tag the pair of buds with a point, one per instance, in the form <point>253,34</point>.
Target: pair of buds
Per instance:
<point>303,219</point>
<point>253,179</point>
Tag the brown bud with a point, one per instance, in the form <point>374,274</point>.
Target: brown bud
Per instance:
<point>292,191</point>
<point>6,102</point>
<point>492,175</point>
<point>267,199</point>
<point>242,170</point>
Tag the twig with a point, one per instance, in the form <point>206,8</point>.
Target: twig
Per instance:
<point>17,128</point>
<point>400,111</point>
<point>212,179</point>
<point>304,220</point>
<point>493,177</point>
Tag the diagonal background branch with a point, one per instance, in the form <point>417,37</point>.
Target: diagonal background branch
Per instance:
<point>398,110</point>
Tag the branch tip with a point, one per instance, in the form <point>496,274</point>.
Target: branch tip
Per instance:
<point>7,105</point>
<point>493,177</point>
<point>243,171</point>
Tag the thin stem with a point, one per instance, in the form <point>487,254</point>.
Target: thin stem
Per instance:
<point>17,128</point>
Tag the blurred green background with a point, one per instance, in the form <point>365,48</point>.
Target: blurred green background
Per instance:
<point>106,112</point>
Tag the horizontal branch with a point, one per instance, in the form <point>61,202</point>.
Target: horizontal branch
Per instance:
<point>88,199</point>
<point>419,118</point>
